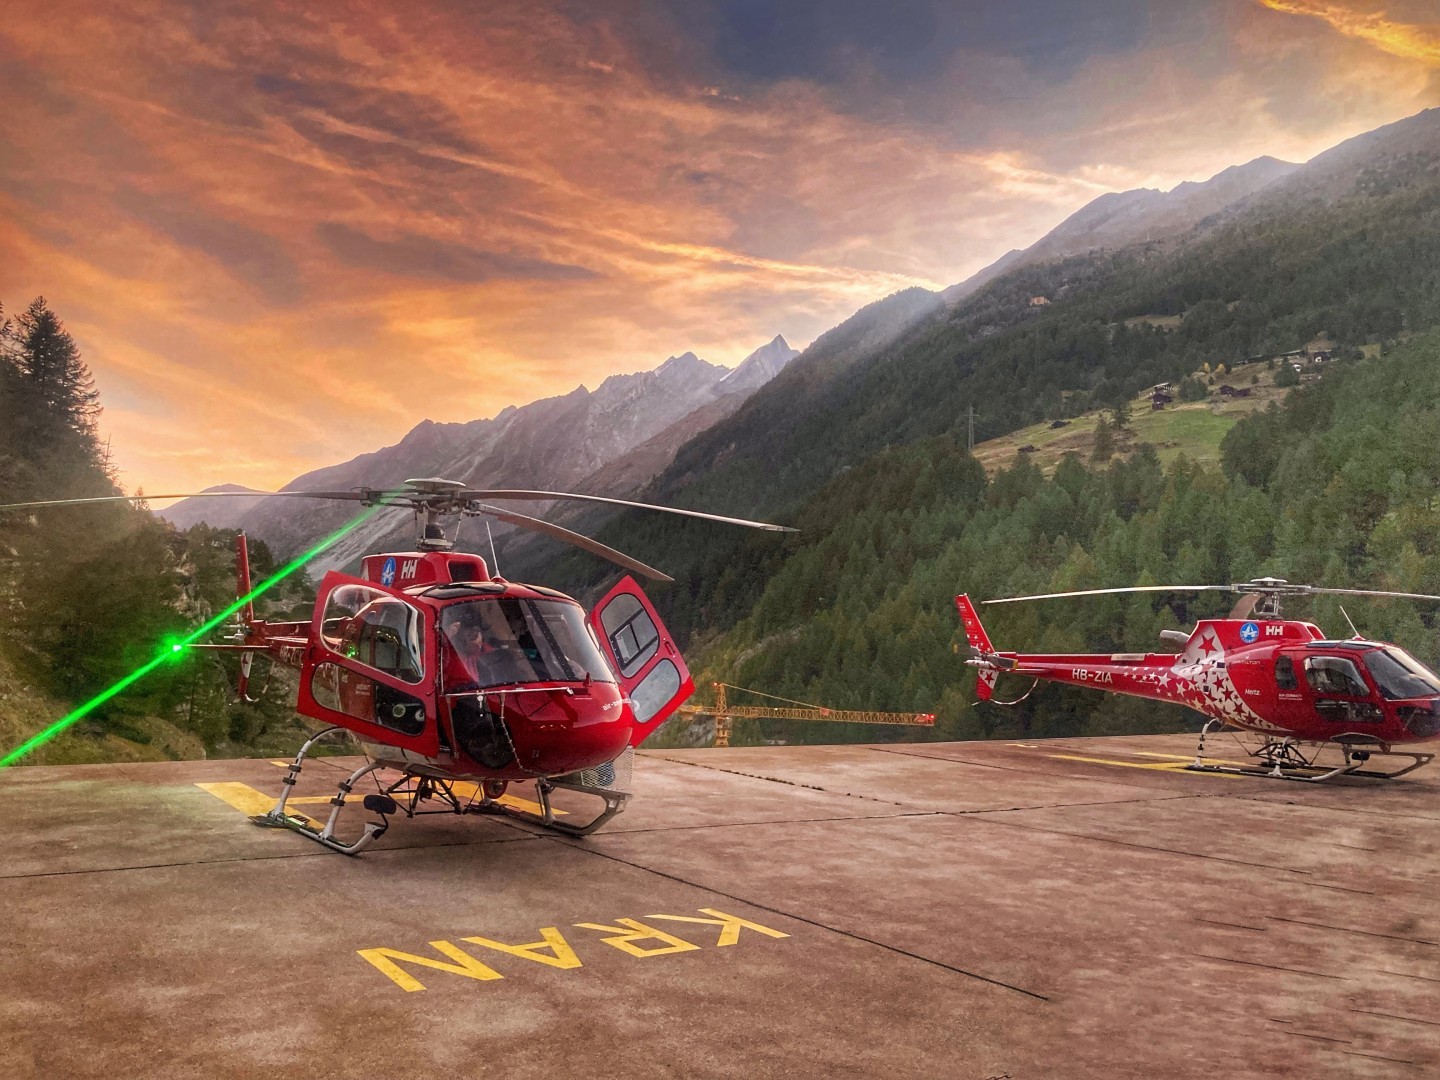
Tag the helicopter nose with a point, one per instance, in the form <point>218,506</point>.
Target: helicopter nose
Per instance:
<point>1422,721</point>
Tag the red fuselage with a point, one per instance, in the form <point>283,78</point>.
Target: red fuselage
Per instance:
<point>440,669</point>
<point>1281,678</point>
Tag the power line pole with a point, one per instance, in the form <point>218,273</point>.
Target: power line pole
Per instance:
<point>970,441</point>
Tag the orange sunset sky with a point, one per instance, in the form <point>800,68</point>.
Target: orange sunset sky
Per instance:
<point>283,234</point>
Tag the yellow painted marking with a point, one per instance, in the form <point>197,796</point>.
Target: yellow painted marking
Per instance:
<point>282,764</point>
<point>250,802</point>
<point>1163,766</point>
<point>464,964</point>
<point>630,936</point>
<point>466,790</point>
<point>630,932</point>
<point>247,800</point>
<point>528,806</point>
<point>561,955</point>
<point>1026,745</point>
<point>730,925</point>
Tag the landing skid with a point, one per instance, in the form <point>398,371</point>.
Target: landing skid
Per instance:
<point>413,790</point>
<point>1283,759</point>
<point>603,782</point>
<point>277,818</point>
<point>614,803</point>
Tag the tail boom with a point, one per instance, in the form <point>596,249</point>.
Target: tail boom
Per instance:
<point>1146,675</point>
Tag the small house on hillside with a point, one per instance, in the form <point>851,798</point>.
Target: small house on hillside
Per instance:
<point>1234,391</point>
<point>1159,399</point>
<point>1038,301</point>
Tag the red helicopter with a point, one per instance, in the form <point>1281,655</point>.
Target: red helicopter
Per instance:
<point>463,682</point>
<point>1280,679</point>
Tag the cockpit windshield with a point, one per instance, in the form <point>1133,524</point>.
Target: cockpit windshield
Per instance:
<point>510,639</point>
<point>1399,675</point>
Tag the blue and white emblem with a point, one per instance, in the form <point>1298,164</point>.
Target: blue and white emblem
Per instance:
<point>387,577</point>
<point>1250,633</point>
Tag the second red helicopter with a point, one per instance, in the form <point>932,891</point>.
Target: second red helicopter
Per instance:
<point>1281,679</point>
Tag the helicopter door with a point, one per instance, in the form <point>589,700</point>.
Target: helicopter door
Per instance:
<point>1341,695</point>
<point>371,664</point>
<point>651,671</point>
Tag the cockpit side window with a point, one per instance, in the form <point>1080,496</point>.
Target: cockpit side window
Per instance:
<point>1335,675</point>
<point>1285,674</point>
<point>390,639</point>
<point>375,629</point>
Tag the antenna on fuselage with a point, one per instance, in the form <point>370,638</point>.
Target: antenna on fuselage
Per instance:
<point>494,559</point>
<point>1358,635</point>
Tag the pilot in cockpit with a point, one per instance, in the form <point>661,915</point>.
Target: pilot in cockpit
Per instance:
<point>490,656</point>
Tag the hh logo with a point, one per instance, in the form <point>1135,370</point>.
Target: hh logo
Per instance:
<point>408,568</point>
<point>1274,630</point>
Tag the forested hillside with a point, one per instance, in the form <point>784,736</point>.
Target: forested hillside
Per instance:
<point>1338,487</point>
<point>90,593</point>
<point>1358,261</point>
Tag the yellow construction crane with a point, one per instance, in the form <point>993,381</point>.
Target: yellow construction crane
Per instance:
<point>724,713</point>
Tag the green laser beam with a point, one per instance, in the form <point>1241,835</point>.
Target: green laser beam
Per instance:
<point>175,647</point>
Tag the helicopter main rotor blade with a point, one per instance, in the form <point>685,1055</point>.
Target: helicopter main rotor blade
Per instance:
<point>1369,592</point>
<point>547,496</point>
<point>1103,592</point>
<point>524,521</point>
<point>1259,587</point>
<point>352,496</point>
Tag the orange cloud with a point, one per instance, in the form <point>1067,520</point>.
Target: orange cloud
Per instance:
<point>1410,41</point>
<point>287,232</point>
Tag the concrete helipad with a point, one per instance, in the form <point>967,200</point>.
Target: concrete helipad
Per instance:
<point>1066,909</point>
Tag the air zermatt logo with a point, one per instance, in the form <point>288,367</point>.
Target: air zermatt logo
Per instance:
<point>387,574</point>
<point>1250,633</point>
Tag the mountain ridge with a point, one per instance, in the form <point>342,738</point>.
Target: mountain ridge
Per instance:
<point>554,442</point>
<point>1121,218</point>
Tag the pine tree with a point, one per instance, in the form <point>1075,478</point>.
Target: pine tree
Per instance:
<point>1104,442</point>
<point>59,402</point>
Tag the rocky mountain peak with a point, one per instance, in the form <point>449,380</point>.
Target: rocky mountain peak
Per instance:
<point>760,366</point>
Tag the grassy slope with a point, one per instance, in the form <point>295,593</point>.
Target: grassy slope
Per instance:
<point>1193,429</point>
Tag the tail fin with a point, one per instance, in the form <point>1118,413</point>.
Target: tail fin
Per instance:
<point>246,614</point>
<point>242,577</point>
<point>980,647</point>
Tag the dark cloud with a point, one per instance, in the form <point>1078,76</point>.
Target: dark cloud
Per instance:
<point>907,43</point>
<point>378,154</point>
<point>252,256</point>
<point>23,81</point>
<point>412,117</point>
<point>412,255</point>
